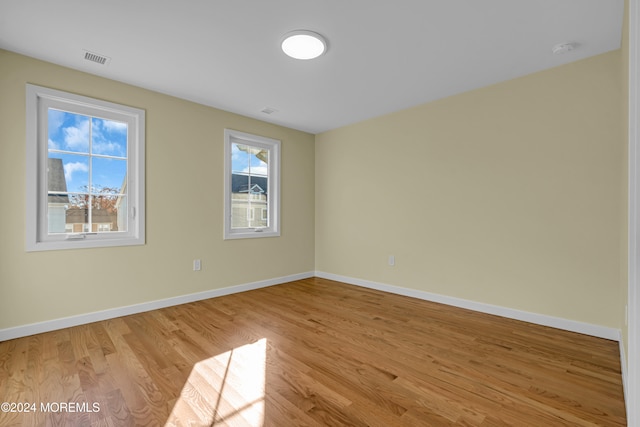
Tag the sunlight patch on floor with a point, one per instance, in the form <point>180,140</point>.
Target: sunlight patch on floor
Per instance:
<point>227,389</point>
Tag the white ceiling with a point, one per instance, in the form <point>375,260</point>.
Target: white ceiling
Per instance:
<point>383,56</point>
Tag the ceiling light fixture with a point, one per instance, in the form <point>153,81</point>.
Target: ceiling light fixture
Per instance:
<point>303,44</point>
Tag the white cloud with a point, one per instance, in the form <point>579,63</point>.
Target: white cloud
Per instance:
<point>70,168</point>
<point>55,120</point>
<point>105,136</point>
<point>77,137</point>
<point>112,126</point>
<point>108,147</point>
<point>258,170</point>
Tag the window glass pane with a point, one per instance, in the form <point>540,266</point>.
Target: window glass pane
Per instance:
<point>86,193</point>
<point>259,200</point>
<point>239,200</point>
<point>68,171</point>
<point>239,157</point>
<point>108,137</point>
<point>68,191</point>
<point>103,219</point>
<point>57,196</point>
<point>108,175</point>
<point>120,208</point>
<point>258,162</point>
<point>249,186</point>
<point>57,212</point>
<point>108,191</point>
<point>68,131</point>
<point>247,159</point>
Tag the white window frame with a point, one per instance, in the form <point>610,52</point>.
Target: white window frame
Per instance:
<point>273,192</point>
<point>39,100</point>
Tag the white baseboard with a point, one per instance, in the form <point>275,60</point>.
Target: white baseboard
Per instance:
<point>81,319</point>
<point>540,319</point>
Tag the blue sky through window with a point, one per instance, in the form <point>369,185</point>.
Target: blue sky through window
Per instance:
<point>244,159</point>
<point>88,145</point>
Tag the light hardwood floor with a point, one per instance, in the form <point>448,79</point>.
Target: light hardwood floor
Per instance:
<point>312,352</point>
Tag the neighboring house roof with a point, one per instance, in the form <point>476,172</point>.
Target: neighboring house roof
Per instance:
<point>240,184</point>
<point>56,181</point>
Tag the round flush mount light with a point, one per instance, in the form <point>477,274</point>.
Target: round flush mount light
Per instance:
<point>303,44</point>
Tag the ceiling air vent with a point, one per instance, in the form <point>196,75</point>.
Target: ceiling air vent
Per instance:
<point>268,110</point>
<point>97,58</point>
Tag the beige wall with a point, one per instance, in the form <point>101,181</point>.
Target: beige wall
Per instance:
<point>508,195</point>
<point>513,195</point>
<point>184,195</point>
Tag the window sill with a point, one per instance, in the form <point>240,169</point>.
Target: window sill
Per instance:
<point>250,234</point>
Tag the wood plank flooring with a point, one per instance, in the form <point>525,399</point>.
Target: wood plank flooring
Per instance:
<point>311,353</point>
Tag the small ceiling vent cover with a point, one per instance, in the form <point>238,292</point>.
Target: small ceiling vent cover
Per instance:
<point>268,110</point>
<point>96,57</point>
<point>562,48</point>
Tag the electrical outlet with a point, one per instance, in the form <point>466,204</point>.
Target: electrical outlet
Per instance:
<point>197,265</point>
<point>392,260</point>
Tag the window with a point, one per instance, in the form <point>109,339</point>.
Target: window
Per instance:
<point>252,172</point>
<point>85,172</point>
